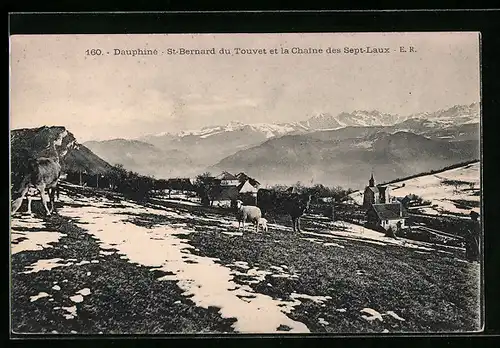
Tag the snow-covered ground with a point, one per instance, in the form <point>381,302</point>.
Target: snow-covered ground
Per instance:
<point>206,280</point>
<point>439,189</point>
<point>210,283</point>
<point>29,233</point>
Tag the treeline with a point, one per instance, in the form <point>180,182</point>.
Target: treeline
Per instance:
<point>130,184</point>
<point>317,191</point>
<point>140,187</point>
<point>206,186</point>
<point>453,166</point>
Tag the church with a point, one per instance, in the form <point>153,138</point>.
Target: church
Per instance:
<point>375,194</point>
<point>380,211</point>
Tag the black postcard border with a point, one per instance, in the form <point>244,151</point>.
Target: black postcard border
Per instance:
<point>487,22</point>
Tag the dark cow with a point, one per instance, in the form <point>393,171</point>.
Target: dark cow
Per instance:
<point>266,200</point>
<point>295,206</point>
<point>284,203</point>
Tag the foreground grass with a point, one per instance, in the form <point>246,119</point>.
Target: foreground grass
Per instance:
<point>432,292</point>
<point>125,298</point>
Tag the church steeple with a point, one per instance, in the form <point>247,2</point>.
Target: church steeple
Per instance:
<point>371,182</point>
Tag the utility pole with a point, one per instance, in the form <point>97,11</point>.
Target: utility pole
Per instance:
<point>80,177</point>
<point>97,180</point>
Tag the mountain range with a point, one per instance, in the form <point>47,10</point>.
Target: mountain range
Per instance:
<point>333,150</point>
<point>338,158</point>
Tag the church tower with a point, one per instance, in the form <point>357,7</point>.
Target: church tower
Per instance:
<point>371,182</point>
<point>371,194</point>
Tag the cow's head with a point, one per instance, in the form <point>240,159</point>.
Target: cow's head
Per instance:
<point>239,204</point>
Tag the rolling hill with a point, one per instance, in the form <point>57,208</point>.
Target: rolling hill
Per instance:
<point>454,191</point>
<point>142,157</point>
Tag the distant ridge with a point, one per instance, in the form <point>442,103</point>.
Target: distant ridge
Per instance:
<point>189,153</point>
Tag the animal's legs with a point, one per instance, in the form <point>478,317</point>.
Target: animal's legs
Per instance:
<point>293,224</point>
<point>52,193</point>
<point>29,205</point>
<point>19,201</point>
<point>257,227</point>
<point>44,196</point>
<point>298,224</point>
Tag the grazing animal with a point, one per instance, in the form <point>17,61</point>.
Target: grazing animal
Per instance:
<point>286,203</point>
<point>33,192</point>
<point>248,213</point>
<point>266,200</point>
<point>296,205</point>
<point>263,223</point>
<point>43,173</point>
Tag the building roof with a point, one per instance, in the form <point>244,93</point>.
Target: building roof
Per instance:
<point>247,187</point>
<point>226,176</point>
<point>390,211</point>
<point>243,177</point>
<point>374,189</point>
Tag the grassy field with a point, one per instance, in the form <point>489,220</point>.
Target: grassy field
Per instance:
<point>186,269</point>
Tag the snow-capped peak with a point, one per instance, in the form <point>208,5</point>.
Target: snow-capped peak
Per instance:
<point>268,129</point>
<point>458,114</point>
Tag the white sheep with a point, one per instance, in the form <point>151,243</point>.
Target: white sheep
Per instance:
<point>248,213</point>
<point>263,222</point>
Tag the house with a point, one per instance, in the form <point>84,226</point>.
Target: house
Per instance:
<point>375,194</point>
<point>228,179</point>
<point>387,215</point>
<point>247,187</point>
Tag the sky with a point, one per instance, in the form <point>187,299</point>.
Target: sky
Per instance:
<point>54,82</point>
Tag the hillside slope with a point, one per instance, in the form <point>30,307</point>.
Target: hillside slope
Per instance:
<point>455,191</point>
<point>142,157</point>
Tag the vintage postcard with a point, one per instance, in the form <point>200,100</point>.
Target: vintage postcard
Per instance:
<point>246,183</point>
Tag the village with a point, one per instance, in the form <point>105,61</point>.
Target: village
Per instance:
<point>373,207</point>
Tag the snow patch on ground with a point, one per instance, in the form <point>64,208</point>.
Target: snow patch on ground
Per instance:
<point>40,295</point>
<point>71,312</point>
<point>46,265</point>
<point>207,281</point>
<point>31,240</point>
<point>84,292</point>
<point>76,298</point>
<point>341,230</point>
<point>374,315</point>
